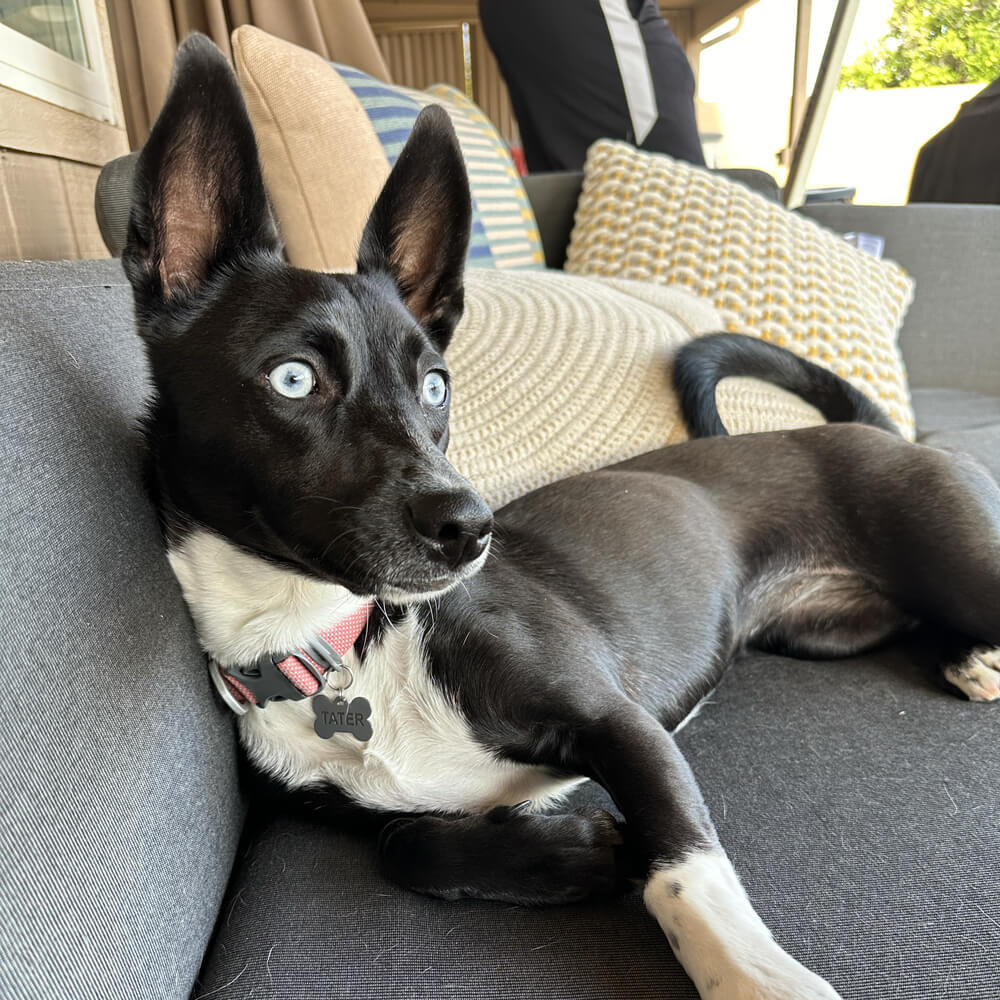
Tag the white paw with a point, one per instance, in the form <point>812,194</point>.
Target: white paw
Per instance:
<point>771,976</point>
<point>719,938</point>
<point>978,676</point>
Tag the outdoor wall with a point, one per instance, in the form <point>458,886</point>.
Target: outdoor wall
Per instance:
<point>49,161</point>
<point>872,137</point>
<point>870,140</point>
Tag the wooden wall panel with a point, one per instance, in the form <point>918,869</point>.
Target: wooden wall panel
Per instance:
<point>49,208</point>
<point>79,181</point>
<point>419,55</point>
<point>49,162</point>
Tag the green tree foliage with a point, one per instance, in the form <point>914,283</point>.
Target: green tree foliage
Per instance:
<point>932,42</point>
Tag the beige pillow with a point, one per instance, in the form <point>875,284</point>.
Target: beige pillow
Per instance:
<point>323,163</point>
<point>768,271</point>
<point>327,134</point>
<point>554,375</point>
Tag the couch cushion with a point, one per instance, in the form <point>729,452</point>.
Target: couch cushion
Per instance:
<point>119,812</point>
<point>954,409</point>
<point>769,272</point>
<point>857,800</point>
<point>312,133</point>
<point>960,420</point>
<point>393,111</point>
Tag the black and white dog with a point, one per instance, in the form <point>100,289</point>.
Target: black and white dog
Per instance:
<point>296,441</point>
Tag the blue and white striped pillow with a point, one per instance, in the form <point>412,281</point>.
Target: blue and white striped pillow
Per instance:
<point>504,231</point>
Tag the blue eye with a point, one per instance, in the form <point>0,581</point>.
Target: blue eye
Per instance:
<point>294,379</point>
<point>435,390</point>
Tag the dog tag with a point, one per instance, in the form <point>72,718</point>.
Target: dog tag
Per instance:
<point>337,715</point>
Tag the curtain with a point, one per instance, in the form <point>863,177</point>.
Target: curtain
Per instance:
<point>145,34</point>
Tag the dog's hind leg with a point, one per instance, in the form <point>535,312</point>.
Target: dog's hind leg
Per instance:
<point>691,887</point>
<point>946,568</point>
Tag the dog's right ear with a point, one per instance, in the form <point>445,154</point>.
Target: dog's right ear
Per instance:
<point>198,199</point>
<point>418,230</point>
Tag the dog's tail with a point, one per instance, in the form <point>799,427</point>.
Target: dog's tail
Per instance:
<point>702,363</point>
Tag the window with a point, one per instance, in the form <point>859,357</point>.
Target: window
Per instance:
<point>53,51</point>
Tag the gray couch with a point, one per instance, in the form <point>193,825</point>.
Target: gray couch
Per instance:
<point>859,801</point>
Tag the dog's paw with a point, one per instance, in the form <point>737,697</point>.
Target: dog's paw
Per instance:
<point>507,855</point>
<point>793,983</point>
<point>978,675</point>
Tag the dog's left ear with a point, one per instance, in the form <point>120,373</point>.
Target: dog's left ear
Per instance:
<point>198,201</point>
<point>418,230</point>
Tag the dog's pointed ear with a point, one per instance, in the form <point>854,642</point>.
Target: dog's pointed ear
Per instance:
<point>418,230</point>
<point>198,199</point>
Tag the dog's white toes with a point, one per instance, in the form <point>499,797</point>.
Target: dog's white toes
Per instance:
<point>977,677</point>
<point>776,979</point>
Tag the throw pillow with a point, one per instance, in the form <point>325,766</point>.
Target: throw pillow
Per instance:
<point>323,164</point>
<point>504,231</point>
<point>555,375</point>
<point>768,271</point>
<point>327,136</point>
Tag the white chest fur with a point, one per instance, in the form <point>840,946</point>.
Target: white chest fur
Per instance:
<point>422,754</point>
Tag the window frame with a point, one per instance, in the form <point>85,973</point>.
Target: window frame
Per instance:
<point>31,68</point>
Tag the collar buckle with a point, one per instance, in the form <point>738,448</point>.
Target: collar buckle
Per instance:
<point>266,681</point>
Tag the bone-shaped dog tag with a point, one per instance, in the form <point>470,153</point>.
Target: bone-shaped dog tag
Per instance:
<point>336,715</point>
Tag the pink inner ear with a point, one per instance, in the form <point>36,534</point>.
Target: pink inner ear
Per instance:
<point>190,224</point>
<point>415,255</point>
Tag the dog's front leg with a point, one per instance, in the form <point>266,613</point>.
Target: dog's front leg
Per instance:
<point>691,887</point>
<point>507,854</point>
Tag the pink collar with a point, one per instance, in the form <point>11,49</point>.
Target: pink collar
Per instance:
<point>290,676</point>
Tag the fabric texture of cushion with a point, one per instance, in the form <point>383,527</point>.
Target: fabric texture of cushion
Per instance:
<point>120,812</point>
<point>327,136</point>
<point>769,272</point>
<point>323,164</point>
<point>856,799</point>
<point>498,192</point>
<point>555,374</point>
<point>393,111</point>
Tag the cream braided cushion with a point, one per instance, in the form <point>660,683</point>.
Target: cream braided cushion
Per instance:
<point>554,375</point>
<point>768,271</point>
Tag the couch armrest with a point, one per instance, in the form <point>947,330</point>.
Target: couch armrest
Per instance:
<point>950,335</point>
<point>113,201</point>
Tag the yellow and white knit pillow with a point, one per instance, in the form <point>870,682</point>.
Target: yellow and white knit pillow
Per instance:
<point>555,375</point>
<point>769,272</point>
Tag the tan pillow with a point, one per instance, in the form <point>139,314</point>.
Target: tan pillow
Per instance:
<point>327,134</point>
<point>768,271</point>
<point>323,163</point>
<point>554,375</point>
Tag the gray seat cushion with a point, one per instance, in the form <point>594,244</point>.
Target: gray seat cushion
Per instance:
<point>859,803</point>
<point>119,810</point>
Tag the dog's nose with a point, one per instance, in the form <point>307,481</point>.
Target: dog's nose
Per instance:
<point>455,526</point>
